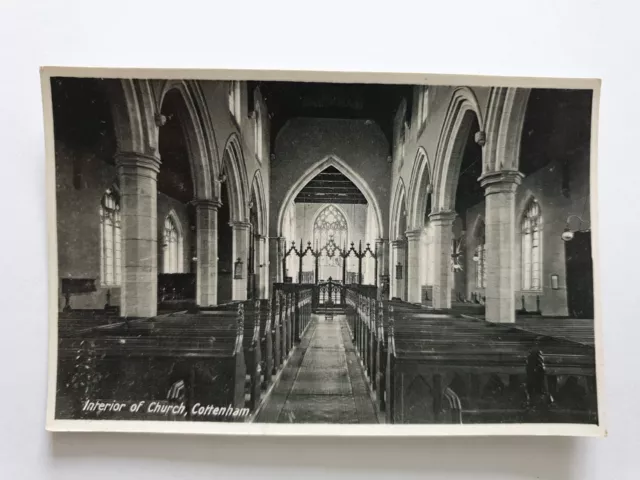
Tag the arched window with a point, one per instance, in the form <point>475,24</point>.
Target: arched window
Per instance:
<point>110,239</point>
<point>330,230</point>
<point>234,99</point>
<point>531,246</point>
<point>172,246</point>
<point>480,257</point>
<point>330,223</point>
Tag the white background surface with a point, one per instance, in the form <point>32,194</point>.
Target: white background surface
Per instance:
<point>573,38</point>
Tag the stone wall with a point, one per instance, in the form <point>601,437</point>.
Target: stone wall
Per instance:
<point>546,186</point>
<point>303,142</point>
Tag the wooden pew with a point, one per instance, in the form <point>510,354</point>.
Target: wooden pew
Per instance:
<point>576,330</point>
<point>73,322</point>
<point>142,359</point>
<point>251,345</point>
<point>435,350</point>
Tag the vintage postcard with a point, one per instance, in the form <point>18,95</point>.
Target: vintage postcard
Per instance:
<point>321,253</point>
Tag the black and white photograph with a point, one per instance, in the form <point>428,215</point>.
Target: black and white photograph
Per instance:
<point>260,252</point>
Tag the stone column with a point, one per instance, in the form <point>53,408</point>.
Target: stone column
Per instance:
<point>500,218</point>
<point>207,248</point>
<point>398,247</point>
<point>413,266</point>
<point>240,232</point>
<point>382,249</point>
<point>276,251</point>
<point>442,224</point>
<point>138,175</point>
<point>261,266</point>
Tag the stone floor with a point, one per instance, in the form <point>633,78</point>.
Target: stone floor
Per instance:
<point>323,381</point>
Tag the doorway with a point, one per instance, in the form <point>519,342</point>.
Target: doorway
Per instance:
<point>579,276</point>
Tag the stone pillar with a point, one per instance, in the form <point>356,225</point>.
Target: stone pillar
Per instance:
<point>207,248</point>
<point>276,252</point>
<point>261,266</point>
<point>138,175</point>
<point>240,231</point>
<point>500,219</point>
<point>442,224</point>
<point>413,266</point>
<point>382,249</point>
<point>398,247</point>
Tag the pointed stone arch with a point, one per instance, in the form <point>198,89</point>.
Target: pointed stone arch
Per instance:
<point>398,207</point>
<point>314,170</point>
<point>235,172</point>
<point>453,137</point>
<point>505,119</point>
<point>419,189</point>
<point>257,189</point>
<point>132,109</point>
<point>199,139</point>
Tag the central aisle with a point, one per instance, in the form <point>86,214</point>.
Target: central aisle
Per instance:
<point>323,381</point>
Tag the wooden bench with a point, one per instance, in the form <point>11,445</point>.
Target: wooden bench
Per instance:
<point>575,330</point>
<point>252,344</point>
<point>447,355</point>
<point>142,359</point>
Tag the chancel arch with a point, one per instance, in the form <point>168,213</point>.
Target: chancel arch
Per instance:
<point>312,172</point>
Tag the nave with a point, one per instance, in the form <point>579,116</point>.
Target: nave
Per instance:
<point>305,357</point>
<point>202,226</point>
<point>323,381</point>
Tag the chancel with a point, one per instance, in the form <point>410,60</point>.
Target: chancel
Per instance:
<point>323,253</point>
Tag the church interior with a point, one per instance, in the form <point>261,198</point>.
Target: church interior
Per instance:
<point>324,252</point>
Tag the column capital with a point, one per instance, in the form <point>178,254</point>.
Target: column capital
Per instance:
<point>208,204</point>
<point>240,225</point>
<point>443,218</point>
<point>128,160</point>
<point>398,243</point>
<point>413,235</point>
<point>506,181</point>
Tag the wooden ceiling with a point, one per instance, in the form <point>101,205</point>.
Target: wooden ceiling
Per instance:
<point>331,186</point>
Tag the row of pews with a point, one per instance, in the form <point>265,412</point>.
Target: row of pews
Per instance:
<point>224,357</point>
<point>430,366</point>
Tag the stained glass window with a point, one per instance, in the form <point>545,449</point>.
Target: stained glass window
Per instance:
<point>172,246</point>
<point>110,239</point>
<point>531,247</point>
